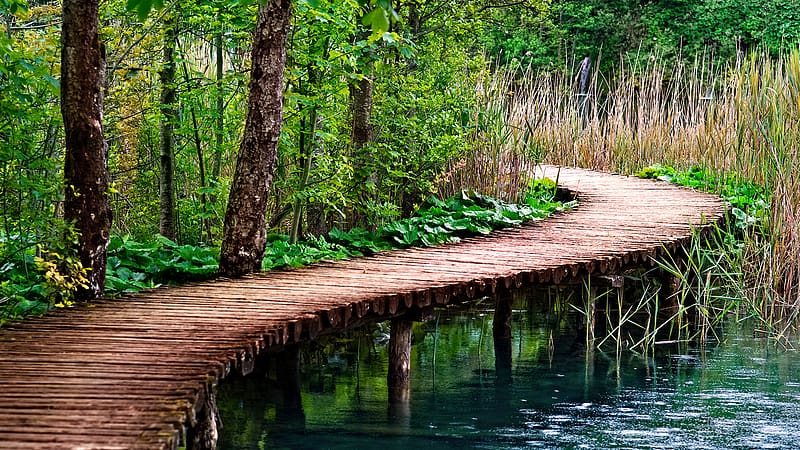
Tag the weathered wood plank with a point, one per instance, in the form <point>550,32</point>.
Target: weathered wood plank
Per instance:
<point>131,372</point>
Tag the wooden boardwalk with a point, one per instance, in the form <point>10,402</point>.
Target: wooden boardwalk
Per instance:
<point>132,373</point>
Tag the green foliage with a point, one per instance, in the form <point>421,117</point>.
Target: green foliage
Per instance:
<point>281,253</point>
<point>29,127</point>
<point>749,202</point>
<point>436,222</point>
<point>41,272</point>
<point>133,266</point>
<point>423,117</point>
<point>37,268</point>
<point>62,273</point>
<point>33,282</point>
<point>143,7</point>
<point>210,111</point>
<point>359,242</point>
<point>628,30</point>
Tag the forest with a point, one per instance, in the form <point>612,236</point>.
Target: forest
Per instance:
<point>288,121</point>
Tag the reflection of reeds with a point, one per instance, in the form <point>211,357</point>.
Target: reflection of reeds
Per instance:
<point>742,120</point>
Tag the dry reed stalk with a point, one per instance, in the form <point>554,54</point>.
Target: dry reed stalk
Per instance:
<point>741,120</point>
<point>497,166</point>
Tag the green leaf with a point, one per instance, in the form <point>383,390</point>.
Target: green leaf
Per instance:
<point>55,82</point>
<point>378,19</point>
<point>143,7</point>
<point>166,241</point>
<point>389,38</point>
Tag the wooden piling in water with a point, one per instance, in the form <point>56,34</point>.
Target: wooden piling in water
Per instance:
<point>501,332</point>
<point>289,403</point>
<point>399,373</point>
<point>203,433</point>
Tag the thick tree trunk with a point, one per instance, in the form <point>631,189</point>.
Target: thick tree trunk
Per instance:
<point>86,201</point>
<point>244,232</point>
<point>361,107</point>
<point>361,92</point>
<point>167,210</point>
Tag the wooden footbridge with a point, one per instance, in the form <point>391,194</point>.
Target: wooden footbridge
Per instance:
<point>137,372</point>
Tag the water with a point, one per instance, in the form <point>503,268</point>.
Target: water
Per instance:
<point>739,393</point>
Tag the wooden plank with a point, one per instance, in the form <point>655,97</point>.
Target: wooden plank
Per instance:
<point>129,372</point>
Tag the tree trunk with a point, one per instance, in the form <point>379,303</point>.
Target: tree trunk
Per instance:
<point>167,210</point>
<point>307,145</point>
<point>365,177</point>
<point>361,92</point>
<point>316,222</point>
<point>244,232</point>
<point>201,161</point>
<point>86,202</point>
<point>219,124</point>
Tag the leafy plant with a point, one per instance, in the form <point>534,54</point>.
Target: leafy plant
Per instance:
<point>749,202</point>
<point>62,276</point>
<point>133,266</point>
<point>439,222</point>
<point>42,273</point>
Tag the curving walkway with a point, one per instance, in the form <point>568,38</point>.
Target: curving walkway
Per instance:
<point>133,372</point>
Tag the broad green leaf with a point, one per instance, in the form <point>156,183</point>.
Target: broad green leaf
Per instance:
<point>143,7</point>
<point>377,19</point>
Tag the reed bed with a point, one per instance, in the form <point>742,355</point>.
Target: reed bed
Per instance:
<point>740,121</point>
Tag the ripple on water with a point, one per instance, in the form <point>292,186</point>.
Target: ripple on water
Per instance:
<point>730,397</point>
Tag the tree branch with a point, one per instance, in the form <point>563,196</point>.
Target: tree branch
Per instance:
<point>35,26</point>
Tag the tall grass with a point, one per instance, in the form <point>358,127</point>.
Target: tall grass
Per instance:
<point>741,121</point>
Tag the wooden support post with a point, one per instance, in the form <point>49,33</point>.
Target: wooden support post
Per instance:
<point>668,296</point>
<point>203,433</point>
<point>288,402</point>
<point>501,331</point>
<point>399,361</point>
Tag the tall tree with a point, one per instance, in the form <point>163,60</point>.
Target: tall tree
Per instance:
<point>86,202</point>
<point>169,115</point>
<point>244,232</point>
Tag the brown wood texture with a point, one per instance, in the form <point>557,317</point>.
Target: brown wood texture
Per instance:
<point>131,372</point>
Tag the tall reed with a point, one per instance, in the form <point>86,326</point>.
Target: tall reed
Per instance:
<point>742,121</point>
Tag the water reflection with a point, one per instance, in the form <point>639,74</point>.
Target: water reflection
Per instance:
<point>738,394</point>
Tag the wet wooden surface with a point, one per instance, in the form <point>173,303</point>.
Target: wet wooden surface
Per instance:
<point>131,373</point>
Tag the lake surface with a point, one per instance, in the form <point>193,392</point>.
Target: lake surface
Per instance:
<point>738,393</point>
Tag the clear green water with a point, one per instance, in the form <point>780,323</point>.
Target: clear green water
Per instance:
<point>739,393</point>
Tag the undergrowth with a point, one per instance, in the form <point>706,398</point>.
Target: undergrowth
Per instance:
<point>436,222</point>
<point>31,283</point>
<point>715,270</point>
<point>748,201</point>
